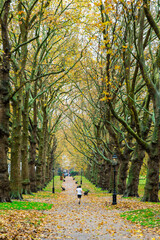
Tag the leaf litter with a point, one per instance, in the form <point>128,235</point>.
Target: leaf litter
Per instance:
<point>95,218</point>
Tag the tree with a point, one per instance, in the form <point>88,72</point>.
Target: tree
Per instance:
<point>4,101</point>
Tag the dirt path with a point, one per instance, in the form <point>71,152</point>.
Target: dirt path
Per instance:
<point>88,221</point>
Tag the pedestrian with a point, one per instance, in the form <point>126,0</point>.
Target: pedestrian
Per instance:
<point>79,193</point>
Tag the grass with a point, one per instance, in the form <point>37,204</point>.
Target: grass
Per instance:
<point>145,217</point>
<point>33,205</point>
<point>47,191</point>
<point>22,205</point>
<point>57,185</point>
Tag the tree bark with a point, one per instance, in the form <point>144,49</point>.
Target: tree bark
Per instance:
<point>32,160</point>
<point>122,175</point>
<point>24,150</point>
<point>39,162</point>
<point>33,144</point>
<point>4,105</point>
<point>152,181</point>
<point>134,172</point>
<point>44,150</point>
<point>106,177</point>
<point>16,186</point>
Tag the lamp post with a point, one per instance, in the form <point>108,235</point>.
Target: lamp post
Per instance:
<point>81,175</point>
<point>114,202</point>
<point>53,181</point>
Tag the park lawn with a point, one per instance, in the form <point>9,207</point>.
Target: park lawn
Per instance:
<point>24,219</point>
<point>57,185</point>
<point>146,217</point>
<point>46,193</point>
<point>25,205</point>
<point>34,205</point>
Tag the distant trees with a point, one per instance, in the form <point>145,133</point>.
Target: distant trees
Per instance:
<point>121,94</point>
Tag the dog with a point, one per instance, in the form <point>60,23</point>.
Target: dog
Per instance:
<point>63,189</point>
<point>86,192</point>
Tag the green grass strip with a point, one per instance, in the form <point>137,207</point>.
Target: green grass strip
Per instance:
<point>145,217</point>
<point>87,185</point>
<point>25,206</point>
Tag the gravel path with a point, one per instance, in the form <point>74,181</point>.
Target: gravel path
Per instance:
<point>88,221</point>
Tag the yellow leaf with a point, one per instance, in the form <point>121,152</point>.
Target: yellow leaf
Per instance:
<point>103,99</point>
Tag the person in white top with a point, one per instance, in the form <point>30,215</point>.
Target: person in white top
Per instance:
<point>79,193</point>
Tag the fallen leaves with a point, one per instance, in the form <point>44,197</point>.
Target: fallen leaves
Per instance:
<point>67,219</point>
<point>20,224</point>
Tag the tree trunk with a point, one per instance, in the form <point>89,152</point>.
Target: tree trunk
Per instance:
<point>111,181</point>
<point>16,187</point>
<point>39,162</point>
<point>107,171</point>
<point>134,172</point>
<point>123,169</point>
<point>88,172</point>
<point>100,175</point>
<point>4,105</point>
<point>152,181</point>
<point>32,161</point>
<point>33,144</point>
<point>24,150</point>
<point>94,173</point>
<point>44,147</point>
<point>122,175</point>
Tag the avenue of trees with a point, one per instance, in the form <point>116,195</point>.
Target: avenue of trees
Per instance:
<point>80,78</point>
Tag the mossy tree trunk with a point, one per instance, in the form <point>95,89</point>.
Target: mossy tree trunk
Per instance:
<point>16,186</point>
<point>152,181</point>
<point>122,174</point>
<point>39,162</point>
<point>4,105</point>
<point>106,176</point>
<point>94,173</point>
<point>44,151</point>
<point>100,173</point>
<point>88,172</point>
<point>51,156</point>
<point>24,150</point>
<point>134,172</point>
<point>151,77</point>
<point>32,160</point>
<point>33,145</point>
<point>19,72</point>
